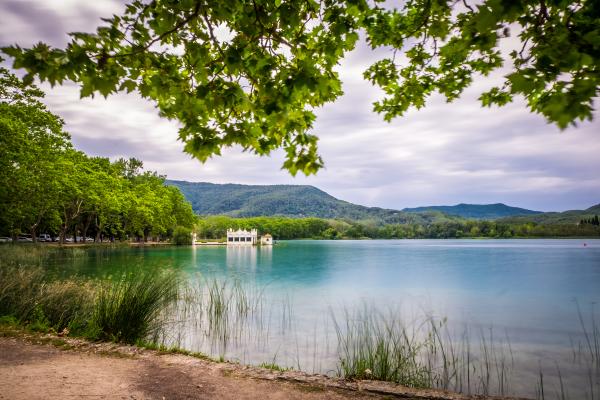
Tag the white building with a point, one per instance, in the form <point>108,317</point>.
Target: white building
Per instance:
<point>266,240</point>
<point>242,237</point>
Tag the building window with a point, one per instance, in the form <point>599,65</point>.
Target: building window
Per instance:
<point>230,239</point>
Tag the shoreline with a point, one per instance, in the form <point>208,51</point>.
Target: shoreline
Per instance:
<point>189,375</point>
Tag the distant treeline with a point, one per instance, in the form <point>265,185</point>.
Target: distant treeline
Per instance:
<point>590,221</point>
<point>215,227</point>
<point>46,186</point>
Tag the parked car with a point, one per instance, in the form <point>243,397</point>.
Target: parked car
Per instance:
<point>24,238</point>
<point>44,237</point>
<point>4,239</point>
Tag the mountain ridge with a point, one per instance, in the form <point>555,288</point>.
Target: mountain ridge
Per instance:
<point>238,200</point>
<point>477,211</point>
<point>564,217</point>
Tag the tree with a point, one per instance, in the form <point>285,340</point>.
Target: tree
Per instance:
<point>252,72</point>
<point>45,183</point>
<point>182,236</point>
<point>31,143</point>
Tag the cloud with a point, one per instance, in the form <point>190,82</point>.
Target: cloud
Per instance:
<point>441,154</point>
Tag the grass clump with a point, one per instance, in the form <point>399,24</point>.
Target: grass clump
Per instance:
<point>274,367</point>
<point>28,295</point>
<point>375,346</point>
<point>123,310</point>
<point>130,308</point>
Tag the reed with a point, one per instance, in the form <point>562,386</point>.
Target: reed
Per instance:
<point>125,310</point>
<point>32,297</point>
<point>131,308</point>
<point>373,345</point>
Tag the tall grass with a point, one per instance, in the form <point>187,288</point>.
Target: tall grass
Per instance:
<point>222,308</point>
<point>130,308</point>
<point>585,360</point>
<point>27,294</point>
<point>36,254</point>
<point>424,354</point>
<point>374,347</point>
<point>125,309</point>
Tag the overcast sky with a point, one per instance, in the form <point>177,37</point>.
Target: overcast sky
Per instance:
<point>442,154</point>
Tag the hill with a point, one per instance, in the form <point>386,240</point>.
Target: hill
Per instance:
<point>566,217</point>
<point>477,211</point>
<point>308,201</point>
<point>290,201</point>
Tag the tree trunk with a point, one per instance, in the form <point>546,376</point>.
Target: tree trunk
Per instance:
<point>62,234</point>
<point>99,227</point>
<point>86,226</point>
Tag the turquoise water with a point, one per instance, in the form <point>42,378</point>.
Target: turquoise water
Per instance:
<point>527,292</point>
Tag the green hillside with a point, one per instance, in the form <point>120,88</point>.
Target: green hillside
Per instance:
<point>290,201</point>
<point>566,217</point>
<point>477,211</point>
<point>298,201</point>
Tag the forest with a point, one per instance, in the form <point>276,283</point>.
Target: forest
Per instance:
<point>215,227</point>
<point>47,186</point>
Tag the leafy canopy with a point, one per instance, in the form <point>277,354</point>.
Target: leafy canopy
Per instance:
<point>252,72</point>
<point>48,186</point>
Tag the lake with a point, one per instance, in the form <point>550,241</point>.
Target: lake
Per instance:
<point>531,301</point>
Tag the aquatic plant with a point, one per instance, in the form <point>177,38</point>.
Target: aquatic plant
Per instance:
<point>129,308</point>
<point>424,354</point>
<point>28,294</point>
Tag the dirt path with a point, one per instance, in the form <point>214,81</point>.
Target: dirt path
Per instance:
<point>29,371</point>
<point>49,367</point>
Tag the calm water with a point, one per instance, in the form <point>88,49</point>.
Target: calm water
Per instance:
<point>524,291</point>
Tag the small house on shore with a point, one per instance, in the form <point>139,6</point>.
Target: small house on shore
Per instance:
<point>244,237</point>
<point>266,240</point>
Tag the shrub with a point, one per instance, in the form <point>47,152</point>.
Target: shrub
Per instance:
<point>182,236</point>
<point>29,295</point>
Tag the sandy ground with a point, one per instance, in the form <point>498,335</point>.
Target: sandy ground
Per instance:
<point>29,371</point>
<point>52,368</point>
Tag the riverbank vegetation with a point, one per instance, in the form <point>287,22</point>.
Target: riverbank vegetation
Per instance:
<point>214,227</point>
<point>47,186</point>
<point>161,309</point>
<point>123,308</point>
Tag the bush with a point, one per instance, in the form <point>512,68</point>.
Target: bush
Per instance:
<point>126,310</point>
<point>29,295</point>
<point>182,236</point>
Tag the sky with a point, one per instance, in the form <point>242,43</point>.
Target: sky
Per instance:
<point>443,154</point>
